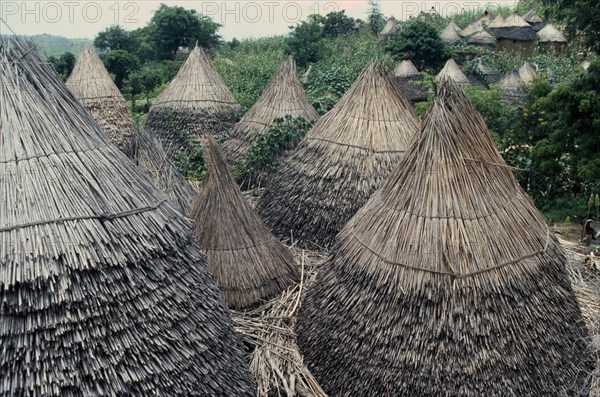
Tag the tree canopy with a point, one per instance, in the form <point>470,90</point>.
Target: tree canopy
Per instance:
<point>121,63</point>
<point>64,64</point>
<point>579,15</point>
<point>114,38</point>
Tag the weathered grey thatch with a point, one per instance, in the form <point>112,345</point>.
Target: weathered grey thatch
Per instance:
<point>340,162</point>
<point>195,104</point>
<point>513,88</point>
<point>452,71</point>
<point>248,262</point>
<point>284,95</point>
<point>148,153</point>
<point>513,28</point>
<point>484,75</point>
<point>450,34</point>
<point>472,28</point>
<point>527,73</point>
<point>447,282</point>
<point>103,291</point>
<point>407,75</point>
<point>482,39</point>
<point>533,19</point>
<point>93,87</point>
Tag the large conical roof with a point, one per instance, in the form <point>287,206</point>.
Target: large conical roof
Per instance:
<point>92,86</point>
<point>450,34</point>
<point>103,291</point>
<point>341,161</point>
<point>195,104</point>
<point>284,95</point>
<point>447,282</point>
<point>452,71</point>
<point>248,262</point>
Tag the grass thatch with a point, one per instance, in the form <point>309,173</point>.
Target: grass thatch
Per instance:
<point>513,28</point>
<point>248,262</point>
<point>283,95</point>
<point>93,87</point>
<point>341,161</point>
<point>472,28</point>
<point>513,88</point>
<point>103,291</point>
<point>447,282</point>
<point>450,34</point>
<point>407,75</point>
<point>549,34</point>
<point>148,153</point>
<point>195,104</point>
<point>452,71</point>
<point>482,39</point>
<point>527,73</point>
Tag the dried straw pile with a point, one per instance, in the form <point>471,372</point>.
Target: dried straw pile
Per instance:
<point>195,104</point>
<point>148,153</point>
<point>342,160</point>
<point>103,291</point>
<point>447,282</point>
<point>283,95</point>
<point>248,262</point>
<point>93,87</point>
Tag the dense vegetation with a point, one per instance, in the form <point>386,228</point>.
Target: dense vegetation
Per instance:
<point>551,141</point>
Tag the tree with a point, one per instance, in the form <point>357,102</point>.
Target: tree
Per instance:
<point>420,42</point>
<point>375,18</point>
<point>121,63</point>
<point>304,43</point>
<point>64,64</point>
<point>174,27</point>
<point>143,81</point>
<point>337,23</point>
<point>579,15</point>
<point>114,38</point>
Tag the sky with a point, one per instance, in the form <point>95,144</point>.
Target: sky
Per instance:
<point>240,19</point>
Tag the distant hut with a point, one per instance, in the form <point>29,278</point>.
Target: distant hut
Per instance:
<point>452,71</point>
<point>514,35</point>
<point>447,282</point>
<point>389,30</point>
<point>340,162</point>
<point>91,84</point>
<point>284,95</point>
<point>472,28</point>
<point>482,39</point>
<point>551,39</point>
<point>103,291</point>
<point>195,104</point>
<point>484,75</point>
<point>148,153</point>
<point>527,73</point>
<point>450,34</point>
<point>429,15</point>
<point>407,75</point>
<point>248,262</point>
<point>534,20</point>
<point>513,88</point>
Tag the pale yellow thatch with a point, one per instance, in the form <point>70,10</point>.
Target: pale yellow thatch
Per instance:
<point>452,71</point>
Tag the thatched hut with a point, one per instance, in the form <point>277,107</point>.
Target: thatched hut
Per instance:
<point>450,34</point>
<point>103,291</point>
<point>147,152</point>
<point>550,38</point>
<point>248,262</point>
<point>389,30</point>
<point>472,28</point>
<point>484,75</point>
<point>91,84</point>
<point>407,75</point>
<point>195,104</point>
<point>514,35</point>
<point>527,73</point>
<point>340,162</point>
<point>534,20</point>
<point>284,95</point>
<point>513,88</point>
<point>482,39</point>
<point>452,71</point>
<point>447,282</point>
<point>497,22</point>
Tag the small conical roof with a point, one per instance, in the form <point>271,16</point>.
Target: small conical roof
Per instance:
<point>406,74</point>
<point>472,28</point>
<point>103,290</point>
<point>248,262</point>
<point>527,73</point>
<point>284,95</point>
<point>453,72</point>
<point>549,34</point>
<point>450,34</point>
<point>389,26</point>
<point>448,276</point>
<point>341,161</point>
<point>482,38</point>
<point>512,86</point>
<point>498,22</point>
<point>91,84</point>
<point>196,103</point>
<point>406,69</point>
<point>532,17</point>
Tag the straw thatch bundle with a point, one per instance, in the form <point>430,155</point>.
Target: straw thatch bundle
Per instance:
<point>340,162</point>
<point>447,282</point>
<point>482,39</point>
<point>450,34</point>
<point>103,291</point>
<point>93,87</point>
<point>248,262</point>
<point>452,71</point>
<point>148,153</point>
<point>513,28</point>
<point>513,88</point>
<point>283,95</point>
<point>527,73</point>
<point>195,104</point>
<point>407,75</point>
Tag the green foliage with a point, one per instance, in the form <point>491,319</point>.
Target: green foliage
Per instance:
<point>121,63</point>
<point>421,43</point>
<point>143,81</point>
<point>375,17</point>
<point>190,163</point>
<point>63,65</point>
<point>581,16</point>
<point>337,24</point>
<point>304,43</point>
<point>325,90</point>
<point>114,38</point>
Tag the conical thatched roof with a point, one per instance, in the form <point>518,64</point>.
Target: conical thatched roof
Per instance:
<point>527,73</point>
<point>103,291</point>
<point>452,71</point>
<point>388,28</point>
<point>512,87</point>
<point>533,19</point>
<point>472,28</point>
<point>148,153</point>
<point>196,103</point>
<point>450,34</point>
<point>284,95</point>
<point>406,74</point>
<point>406,69</point>
<point>498,22</point>
<point>549,34</point>
<point>93,87</point>
<point>482,39</point>
<point>513,28</point>
<point>248,262</point>
<point>341,161</point>
<point>447,282</point>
